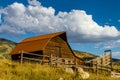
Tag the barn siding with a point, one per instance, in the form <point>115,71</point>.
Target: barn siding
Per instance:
<point>52,45</point>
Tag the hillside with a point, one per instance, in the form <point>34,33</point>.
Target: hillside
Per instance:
<point>82,54</point>
<point>116,61</point>
<point>6,47</point>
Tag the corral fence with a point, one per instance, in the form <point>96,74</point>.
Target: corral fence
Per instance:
<point>102,64</point>
<point>45,59</point>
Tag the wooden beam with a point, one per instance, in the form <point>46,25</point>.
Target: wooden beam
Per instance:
<point>21,57</point>
<point>36,54</point>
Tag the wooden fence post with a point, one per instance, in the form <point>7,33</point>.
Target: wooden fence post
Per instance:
<point>43,60</point>
<point>111,62</point>
<point>50,60</point>
<point>102,65</point>
<point>21,57</point>
<point>75,61</point>
<point>96,69</point>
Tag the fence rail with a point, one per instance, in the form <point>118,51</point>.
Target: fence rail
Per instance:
<point>114,74</point>
<point>50,59</point>
<point>101,63</point>
<point>33,58</point>
<point>36,54</point>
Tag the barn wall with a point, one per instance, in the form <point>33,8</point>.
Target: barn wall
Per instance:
<point>58,47</point>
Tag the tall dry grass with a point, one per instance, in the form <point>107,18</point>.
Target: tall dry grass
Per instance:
<point>31,71</point>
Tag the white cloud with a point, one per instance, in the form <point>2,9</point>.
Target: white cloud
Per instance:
<point>6,29</point>
<point>34,2</point>
<point>80,26</point>
<point>112,44</point>
<point>0,15</point>
<point>116,54</point>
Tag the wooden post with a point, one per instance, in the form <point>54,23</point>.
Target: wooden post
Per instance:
<point>102,64</point>
<point>93,66</point>
<point>96,69</point>
<point>50,59</point>
<point>21,57</point>
<point>43,59</point>
<point>75,61</point>
<point>110,59</point>
<point>111,62</point>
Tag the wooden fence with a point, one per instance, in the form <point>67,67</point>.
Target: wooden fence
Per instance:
<point>22,58</point>
<point>51,60</point>
<point>115,75</point>
<point>101,63</point>
<point>97,65</point>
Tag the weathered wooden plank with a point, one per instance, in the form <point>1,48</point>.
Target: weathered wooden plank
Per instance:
<point>21,57</point>
<point>35,59</point>
<point>115,75</point>
<point>36,54</point>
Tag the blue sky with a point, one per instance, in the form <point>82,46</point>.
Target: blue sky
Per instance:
<point>91,25</point>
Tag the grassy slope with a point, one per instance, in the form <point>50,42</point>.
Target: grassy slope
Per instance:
<point>30,71</point>
<point>83,54</point>
<point>6,47</point>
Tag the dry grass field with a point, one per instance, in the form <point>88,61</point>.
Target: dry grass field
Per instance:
<point>31,71</point>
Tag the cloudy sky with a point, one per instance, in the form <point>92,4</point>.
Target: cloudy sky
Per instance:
<point>91,25</point>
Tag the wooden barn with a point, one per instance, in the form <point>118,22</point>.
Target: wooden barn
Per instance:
<point>54,45</point>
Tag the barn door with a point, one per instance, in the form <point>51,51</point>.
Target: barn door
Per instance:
<point>58,48</point>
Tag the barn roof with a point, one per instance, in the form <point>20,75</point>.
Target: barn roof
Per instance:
<point>47,36</point>
<point>36,43</point>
